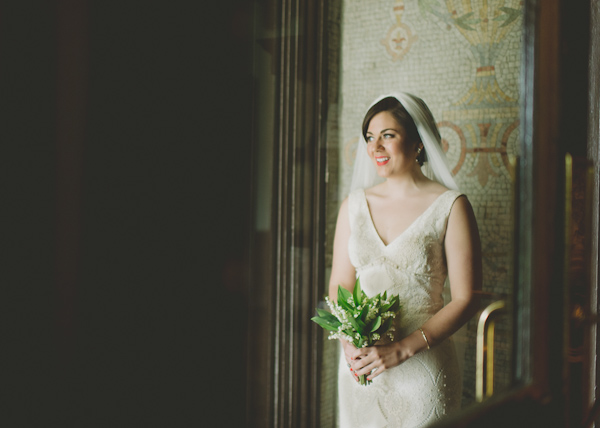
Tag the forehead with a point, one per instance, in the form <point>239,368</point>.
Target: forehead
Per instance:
<point>384,120</point>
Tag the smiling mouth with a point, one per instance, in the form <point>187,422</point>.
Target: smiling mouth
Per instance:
<point>382,160</point>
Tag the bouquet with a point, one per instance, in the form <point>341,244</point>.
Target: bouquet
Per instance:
<point>359,319</point>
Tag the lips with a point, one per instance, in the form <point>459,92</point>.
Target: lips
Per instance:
<point>382,160</point>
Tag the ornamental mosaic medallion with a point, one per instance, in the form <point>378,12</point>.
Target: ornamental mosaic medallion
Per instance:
<point>399,38</point>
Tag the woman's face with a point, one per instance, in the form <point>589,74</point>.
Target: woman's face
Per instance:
<point>388,147</point>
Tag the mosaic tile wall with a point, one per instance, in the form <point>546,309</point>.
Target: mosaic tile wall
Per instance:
<point>463,58</point>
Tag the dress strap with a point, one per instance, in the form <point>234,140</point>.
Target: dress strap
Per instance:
<point>355,211</point>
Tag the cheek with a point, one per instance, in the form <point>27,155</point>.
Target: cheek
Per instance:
<point>408,149</point>
<point>398,149</point>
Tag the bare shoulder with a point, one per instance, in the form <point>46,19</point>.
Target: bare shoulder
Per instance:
<point>462,216</point>
<point>432,190</point>
<point>435,188</point>
<point>462,206</point>
<point>343,212</point>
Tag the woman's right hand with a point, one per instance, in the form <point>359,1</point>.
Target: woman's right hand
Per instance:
<point>349,349</point>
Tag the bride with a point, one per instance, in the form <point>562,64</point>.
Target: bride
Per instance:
<point>403,232</point>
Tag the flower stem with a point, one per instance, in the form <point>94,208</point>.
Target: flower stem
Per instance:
<point>363,380</point>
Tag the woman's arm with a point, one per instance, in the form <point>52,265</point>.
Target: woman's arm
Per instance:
<point>463,256</point>
<point>342,270</point>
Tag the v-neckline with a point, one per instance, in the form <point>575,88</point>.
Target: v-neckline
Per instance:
<point>409,226</point>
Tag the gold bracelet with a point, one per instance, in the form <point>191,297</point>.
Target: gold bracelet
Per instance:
<point>425,337</point>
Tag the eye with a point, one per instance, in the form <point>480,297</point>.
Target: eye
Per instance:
<point>388,135</point>
<point>369,138</point>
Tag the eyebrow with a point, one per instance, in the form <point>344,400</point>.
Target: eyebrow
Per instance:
<point>383,130</point>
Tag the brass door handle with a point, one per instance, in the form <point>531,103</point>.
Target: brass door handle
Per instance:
<point>485,349</point>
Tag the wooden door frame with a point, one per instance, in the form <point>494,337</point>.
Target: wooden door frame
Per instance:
<point>593,153</point>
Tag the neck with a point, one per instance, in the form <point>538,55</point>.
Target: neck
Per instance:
<point>406,183</point>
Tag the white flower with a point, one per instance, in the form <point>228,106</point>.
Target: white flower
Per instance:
<point>372,313</point>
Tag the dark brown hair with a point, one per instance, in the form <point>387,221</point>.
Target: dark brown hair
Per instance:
<point>399,113</point>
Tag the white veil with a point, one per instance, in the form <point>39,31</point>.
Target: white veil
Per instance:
<point>436,167</point>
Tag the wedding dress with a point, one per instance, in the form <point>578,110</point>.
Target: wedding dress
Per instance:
<point>427,385</point>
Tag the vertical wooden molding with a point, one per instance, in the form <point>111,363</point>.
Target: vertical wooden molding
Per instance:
<point>298,220</point>
<point>594,155</point>
<point>300,213</point>
<point>523,217</point>
<point>547,255</point>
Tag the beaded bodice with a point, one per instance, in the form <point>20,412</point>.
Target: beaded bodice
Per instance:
<point>413,265</point>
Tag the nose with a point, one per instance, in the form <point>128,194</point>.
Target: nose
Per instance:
<point>378,142</point>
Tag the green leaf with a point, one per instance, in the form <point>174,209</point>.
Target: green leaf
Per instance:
<point>511,13</point>
<point>364,313</point>
<point>343,297</point>
<point>327,315</point>
<point>359,343</point>
<point>362,327</point>
<point>395,306</point>
<point>358,325</point>
<point>349,332</point>
<point>345,306</point>
<point>326,324</point>
<point>465,20</point>
<point>376,324</point>
<point>391,303</point>
<point>429,6</point>
<point>385,326</point>
<point>358,294</point>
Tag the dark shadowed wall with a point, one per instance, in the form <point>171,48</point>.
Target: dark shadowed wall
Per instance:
<point>126,147</point>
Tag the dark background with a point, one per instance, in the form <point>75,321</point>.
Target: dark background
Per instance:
<point>125,147</point>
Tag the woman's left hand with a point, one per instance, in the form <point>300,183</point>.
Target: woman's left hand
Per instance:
<point>378,358</point>
<point>382,357</point>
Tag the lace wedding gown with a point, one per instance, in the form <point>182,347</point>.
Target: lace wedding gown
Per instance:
<point>428,385</point>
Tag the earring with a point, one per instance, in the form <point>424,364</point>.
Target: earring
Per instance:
<point>419,151</point>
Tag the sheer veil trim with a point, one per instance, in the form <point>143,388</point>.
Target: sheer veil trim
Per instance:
<point>436,167</point>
